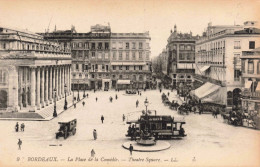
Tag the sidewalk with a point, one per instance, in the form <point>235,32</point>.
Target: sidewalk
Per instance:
<point>45,114</point>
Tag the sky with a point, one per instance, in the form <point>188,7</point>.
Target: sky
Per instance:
<point>157,17</point>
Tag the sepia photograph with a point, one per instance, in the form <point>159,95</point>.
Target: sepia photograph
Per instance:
<point>129,83</point>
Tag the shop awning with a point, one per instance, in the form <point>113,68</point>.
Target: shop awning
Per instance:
<point>205,90</point>
<point>125,82</point>
<point>248,84</point>
<point>204,68</point>
<point>257,87</point>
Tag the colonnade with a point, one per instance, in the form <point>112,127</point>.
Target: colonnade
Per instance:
<point>44,82</point>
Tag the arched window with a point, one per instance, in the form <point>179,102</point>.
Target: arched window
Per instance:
<point>229,98</point>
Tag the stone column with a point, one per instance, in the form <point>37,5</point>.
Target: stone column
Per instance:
<point>25,86</point>
<point>246,66</point>
<point>62,81</point>
<point>69,78</point>
<point>21,87</point>
<point>50,87</point>
<point>42,88</point>
<point>38,92</point>
<point>56,81</point>
<point>33,86</point>
<point>255,66</point>
<point>47,86</point>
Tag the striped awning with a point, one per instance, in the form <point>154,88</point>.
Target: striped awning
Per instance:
<point>125,82</point>
<point>204,68</point>
<point>205,90</point>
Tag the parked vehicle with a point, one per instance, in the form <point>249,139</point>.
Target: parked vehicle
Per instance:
<point>67,128</point>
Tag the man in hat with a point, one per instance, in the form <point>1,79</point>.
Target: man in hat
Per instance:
<point>95,134</point>
<point>131,148</point>
<point>19,144</point>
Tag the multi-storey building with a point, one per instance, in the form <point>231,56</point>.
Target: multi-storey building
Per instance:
<point>130,60</point>
<point>218,62</point>
<point>30,69</point>
<point>90,56</point>
<point>105,60</point>
<point>251,81</point>
<point>181,58</point>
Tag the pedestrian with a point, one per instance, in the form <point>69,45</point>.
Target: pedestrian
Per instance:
<point>17,127</point>
<point>116,96</point>
<point>131,148</point>
<point>123,117</point>
<point>102,118</point>
<point>83,103</point>
<point>140,94</point>
<point>94,90</point>
<point>160,90</point>
<point>168,94</point>
<point>96,99</point>
<point>74,105</point>
<point>19,144</point>
<point>22,127</point>
<point>87,95</point>
<point>95,134</point>
<point>92,153</point>
<point>137,102</point>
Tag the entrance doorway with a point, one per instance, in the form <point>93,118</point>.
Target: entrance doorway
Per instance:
<point>3,99</point>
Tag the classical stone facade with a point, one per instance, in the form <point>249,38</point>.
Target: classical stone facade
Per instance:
<point>30,69</point>
<point>181,58</point>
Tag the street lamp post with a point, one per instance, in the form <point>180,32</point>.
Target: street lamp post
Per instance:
<point>84,95</point>
<point>146,102</point>
<point>55,96</point>
<point>78,99</point>
<point>65,103</point>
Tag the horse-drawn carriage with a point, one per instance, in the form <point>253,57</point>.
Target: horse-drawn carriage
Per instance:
<point>184,109</point>
<point>174,105</point>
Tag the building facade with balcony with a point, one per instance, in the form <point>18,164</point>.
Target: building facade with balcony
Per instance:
<point>181,58</point>
<point>251,81</point>
<point>100,58</point>
<point>30,69</point>
<point>218,55</point>
<point>130,60</point>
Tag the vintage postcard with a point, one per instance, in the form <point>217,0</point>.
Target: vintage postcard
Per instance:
<point>129,83</point>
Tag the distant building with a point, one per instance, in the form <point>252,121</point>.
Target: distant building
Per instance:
<point>181,58</point>
<point>104,60</point>
<point>30,69</point>
<point>218,62</point>
<point>160,63</point>
<point>251,81</point>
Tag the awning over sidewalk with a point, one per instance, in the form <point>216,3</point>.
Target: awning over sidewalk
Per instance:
<point>204,68</point>
<point>205,90</point>
<point>248,84</point>
<point>125,82</point>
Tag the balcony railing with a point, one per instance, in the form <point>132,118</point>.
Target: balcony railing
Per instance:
<point>251,94</point>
